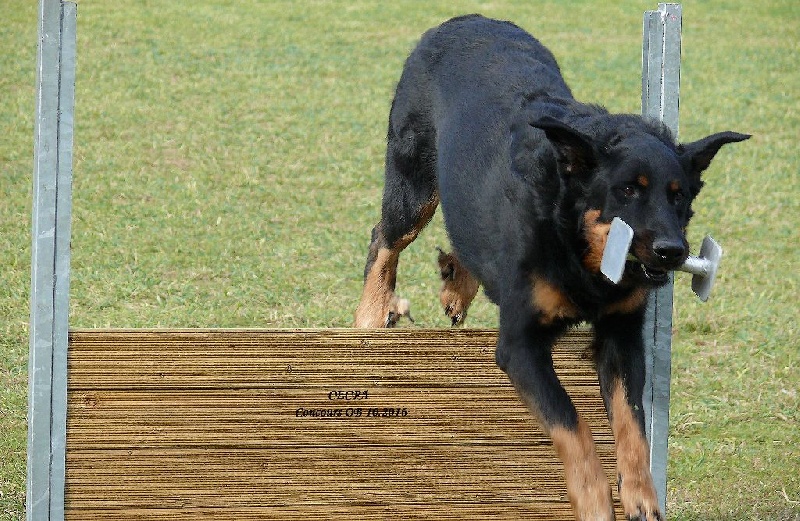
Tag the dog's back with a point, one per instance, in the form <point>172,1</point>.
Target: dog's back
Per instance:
<point>469,62</point>
<point>475,56</point>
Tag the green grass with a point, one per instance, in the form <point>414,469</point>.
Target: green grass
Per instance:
<point>228,165</point>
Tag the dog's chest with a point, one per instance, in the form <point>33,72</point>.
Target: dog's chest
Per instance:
<point>554,305</point>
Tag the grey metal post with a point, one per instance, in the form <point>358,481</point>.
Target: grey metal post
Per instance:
<point>661,57</point>
<point>52,180</point>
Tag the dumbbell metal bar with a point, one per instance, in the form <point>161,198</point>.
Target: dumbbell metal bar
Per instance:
<point>703,267</point>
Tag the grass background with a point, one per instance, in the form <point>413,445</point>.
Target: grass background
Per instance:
<point>228,169</point>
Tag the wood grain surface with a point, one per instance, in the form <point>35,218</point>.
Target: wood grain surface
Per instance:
<point>312,424</point>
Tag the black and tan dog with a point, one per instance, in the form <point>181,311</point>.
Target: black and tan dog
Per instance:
<point>529,180</point>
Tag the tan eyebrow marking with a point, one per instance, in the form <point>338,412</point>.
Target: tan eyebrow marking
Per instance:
<point>643,181</point>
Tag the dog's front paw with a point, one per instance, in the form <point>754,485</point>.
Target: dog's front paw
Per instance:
<point>639,500</point>
<point>653,515</point>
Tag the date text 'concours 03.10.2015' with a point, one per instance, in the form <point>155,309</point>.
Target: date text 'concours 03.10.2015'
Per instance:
<point>350,404</point>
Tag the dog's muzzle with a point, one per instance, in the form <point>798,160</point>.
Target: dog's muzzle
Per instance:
<point>663,256</point>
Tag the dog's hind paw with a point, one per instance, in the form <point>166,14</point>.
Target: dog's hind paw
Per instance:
<point>458,287</point>
<point>379,310</point>
<point>398,309</point>
<point>457,317</point>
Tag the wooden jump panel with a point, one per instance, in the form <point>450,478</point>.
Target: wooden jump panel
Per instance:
<point>336,424</point>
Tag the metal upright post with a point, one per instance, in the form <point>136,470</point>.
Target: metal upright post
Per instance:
<point>52,179</point>
<point>661,57</point>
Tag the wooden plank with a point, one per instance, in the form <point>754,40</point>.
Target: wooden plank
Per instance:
<point>296,424</point>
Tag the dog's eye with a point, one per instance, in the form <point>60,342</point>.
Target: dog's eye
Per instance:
<point>677,197</point>
<point>629,191</point>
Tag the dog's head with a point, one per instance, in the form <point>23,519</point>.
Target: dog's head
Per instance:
<point>631,169</point>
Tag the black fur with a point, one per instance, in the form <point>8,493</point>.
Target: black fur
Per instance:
<point>483,118</point>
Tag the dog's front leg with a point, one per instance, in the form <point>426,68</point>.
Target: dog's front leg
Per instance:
<point>621,370</point>
<point>524,353</point>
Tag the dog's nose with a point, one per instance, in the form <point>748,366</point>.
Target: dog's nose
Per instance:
<point>670,252</point>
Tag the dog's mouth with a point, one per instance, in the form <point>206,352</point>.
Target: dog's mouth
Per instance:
<point>655,275</point>
<point>652,275</point>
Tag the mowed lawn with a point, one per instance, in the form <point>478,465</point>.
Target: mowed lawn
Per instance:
<point>228,170</point>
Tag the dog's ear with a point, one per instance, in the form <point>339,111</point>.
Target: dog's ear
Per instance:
<point>696,156</point>
<point>577,152</point>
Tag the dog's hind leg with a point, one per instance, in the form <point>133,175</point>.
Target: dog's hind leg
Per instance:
<point>410,199</point>
<point>459,287</point>
<point>380,306</point>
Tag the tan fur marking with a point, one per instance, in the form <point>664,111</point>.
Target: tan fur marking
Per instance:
<point>378,297</point>
<point>587,483</point>
<point>643,181</point>
<point>674,186</point>
<point>551,302</point>
<point>630,304</point>
<point>596,234</point>
<point>637,494</point>
<point>459,287</point>
<point>425,216</point>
